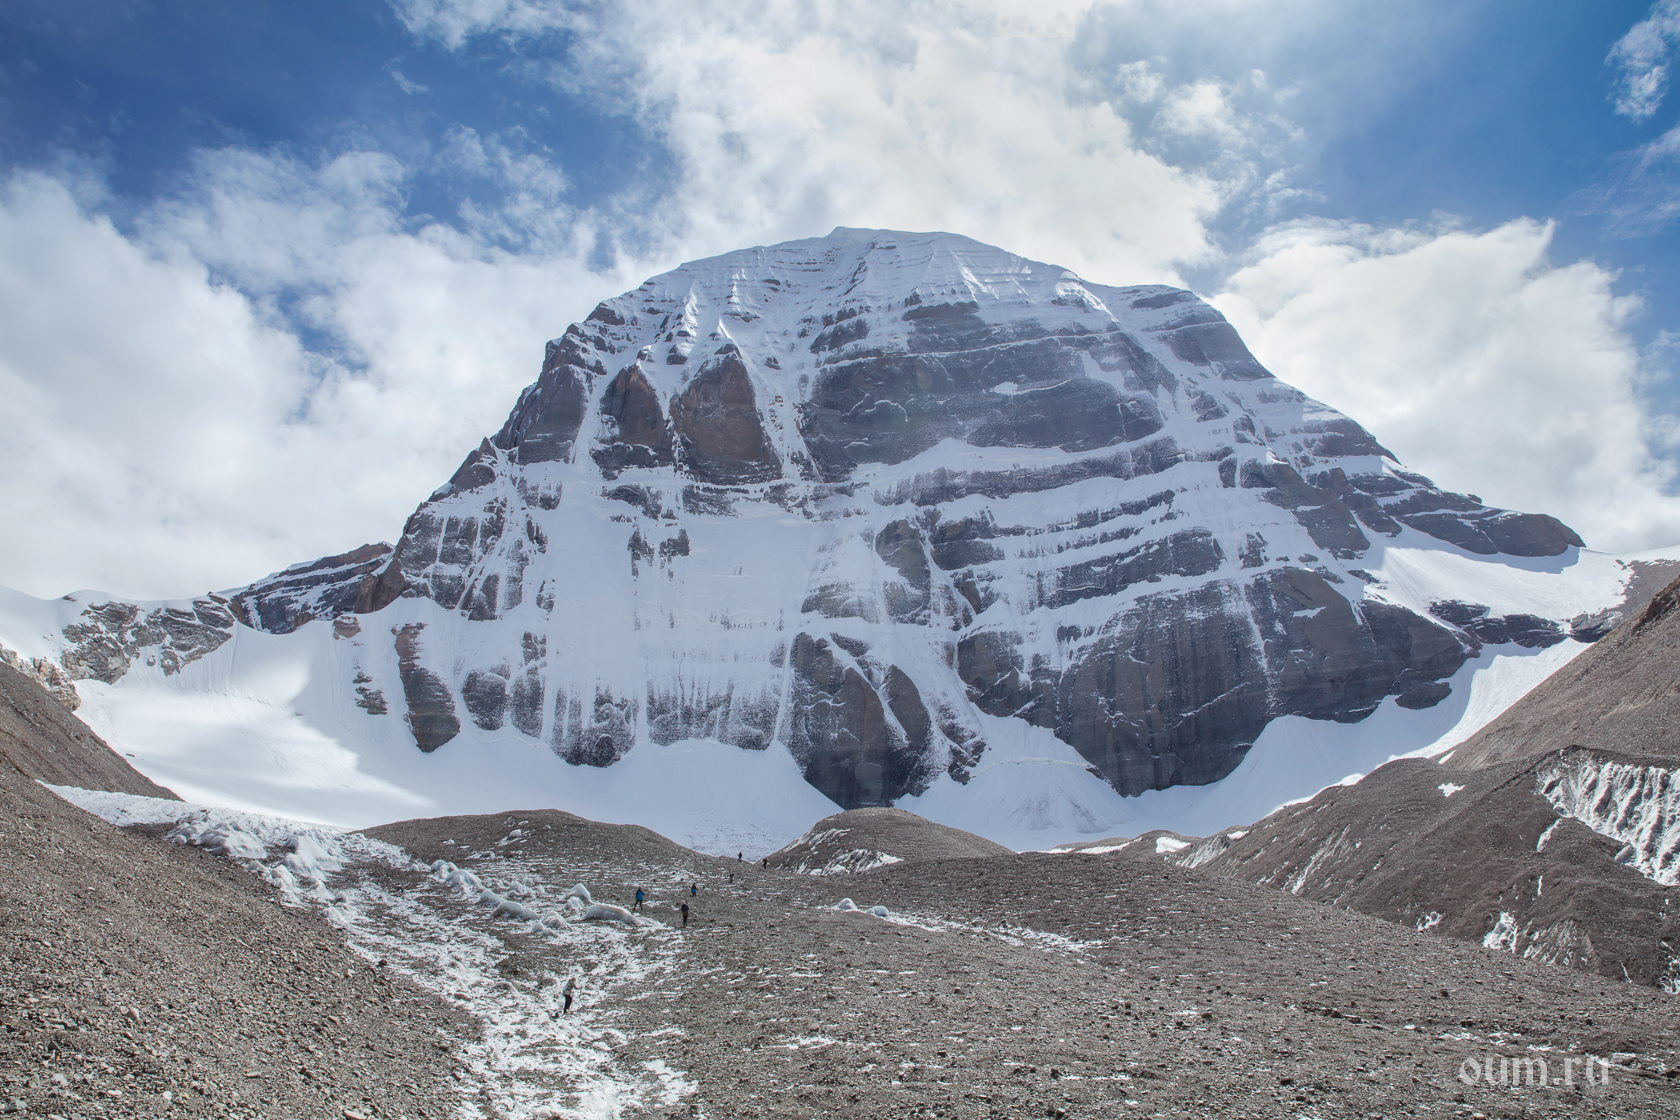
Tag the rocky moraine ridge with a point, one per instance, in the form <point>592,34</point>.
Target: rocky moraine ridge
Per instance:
<point>877,496</point>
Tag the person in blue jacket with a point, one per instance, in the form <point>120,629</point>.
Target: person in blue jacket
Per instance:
<point>639,898</point>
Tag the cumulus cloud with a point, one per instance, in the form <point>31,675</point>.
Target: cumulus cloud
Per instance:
<point>1475,361</point>
<point>1641,60</point>
<point>176,432</point>
<point>786,119</point>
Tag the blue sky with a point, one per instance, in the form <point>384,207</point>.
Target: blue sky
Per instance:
<point>267,270</point>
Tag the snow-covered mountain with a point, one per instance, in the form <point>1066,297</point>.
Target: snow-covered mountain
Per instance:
<point>876,518</point>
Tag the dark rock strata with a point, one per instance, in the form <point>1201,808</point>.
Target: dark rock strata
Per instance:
<point>638,434</point>
<point>1175,689</point>
<point>855,746</point>
<point>431,706</point>
<point>544,424</point>
<point>330,586</point>
<point>718,427</point>
<point>111,636</point>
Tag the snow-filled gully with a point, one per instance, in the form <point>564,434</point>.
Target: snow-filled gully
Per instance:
<point>439,930</point>
<point>1638,805</point>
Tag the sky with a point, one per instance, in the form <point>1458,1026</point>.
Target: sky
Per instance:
<point>269,270</point>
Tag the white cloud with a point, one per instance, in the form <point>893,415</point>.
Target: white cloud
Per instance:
<point>1472,359</point>
<point>1641,60</point>
<point>176,434</point>
<point>786,119</point>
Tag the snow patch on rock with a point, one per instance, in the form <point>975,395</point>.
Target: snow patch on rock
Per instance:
<point>1636,804</point>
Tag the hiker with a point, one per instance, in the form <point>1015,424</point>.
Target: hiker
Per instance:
<point>639,897</point>
<point>685,915</point>
<point>571,988</point>
<point>739,856</point>
<point>694,890</point>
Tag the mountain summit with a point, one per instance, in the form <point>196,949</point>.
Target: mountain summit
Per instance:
<point>925,514</point>
<point>854,493</point>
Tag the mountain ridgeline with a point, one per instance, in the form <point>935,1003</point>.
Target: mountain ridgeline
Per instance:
<point>858,493</point>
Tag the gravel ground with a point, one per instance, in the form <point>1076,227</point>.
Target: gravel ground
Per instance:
<point>1056,985</point>
<point>140,979</point>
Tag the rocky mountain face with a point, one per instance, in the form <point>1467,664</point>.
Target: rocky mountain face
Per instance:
<point>876,496</point>
<point>1010,491</point>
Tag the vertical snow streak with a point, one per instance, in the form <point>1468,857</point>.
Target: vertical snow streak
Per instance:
<point>1638,805</point>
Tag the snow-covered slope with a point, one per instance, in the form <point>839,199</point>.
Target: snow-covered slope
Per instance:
<point>876,518</point>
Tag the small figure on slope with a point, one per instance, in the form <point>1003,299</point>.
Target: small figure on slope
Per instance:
<point>571,990</point>
<point>639,897</point>
<point>685,915</point>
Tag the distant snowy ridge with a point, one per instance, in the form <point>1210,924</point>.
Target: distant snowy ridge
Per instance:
<point>877,518</point>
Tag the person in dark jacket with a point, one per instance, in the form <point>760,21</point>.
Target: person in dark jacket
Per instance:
<point>685,915</point>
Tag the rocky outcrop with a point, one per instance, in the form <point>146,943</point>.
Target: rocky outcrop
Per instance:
<point>431,704</point>
<point>733,715</point>
<point>1526,630</point>
<point>594,731</point>
<point>543,426</point>
<point>851,741</point>
<point>325,588</point>
<point>46,673</point>
<point>635,432</point>
<point>111,637</point>
<point>719,431</point>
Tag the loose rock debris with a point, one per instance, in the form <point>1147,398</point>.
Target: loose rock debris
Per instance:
<point>1013,986</point>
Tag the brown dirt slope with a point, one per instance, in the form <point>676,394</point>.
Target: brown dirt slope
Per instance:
<point>1397,846</point>
<point>1623,694</point>
<point>531,832</point>
<point>40,740</point>
<point>130,968</point>
<point>861,838</point>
